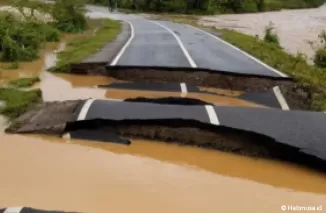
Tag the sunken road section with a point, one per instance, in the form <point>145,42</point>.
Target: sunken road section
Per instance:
<point>270,98</point>
<point>28,210</point>
<point>297,136</point>
<point>297,96</point>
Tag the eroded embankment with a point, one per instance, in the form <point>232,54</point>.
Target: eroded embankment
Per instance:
<point>194,133</point>
<point>58,118</point>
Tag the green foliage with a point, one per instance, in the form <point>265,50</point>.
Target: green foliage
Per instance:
<point>271,36</point>
<point>292,4</point>
<point>295,66</point>
<point>320,54</point>
<point>211,6</point>
<point>69,15</point>
<point>24,82</point>
<point>17,101</point>
<point>21,40</point>
<point>80,48</point>
<point>320,58</point>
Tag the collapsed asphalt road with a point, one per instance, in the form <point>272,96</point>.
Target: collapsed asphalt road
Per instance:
<point>296,136</point>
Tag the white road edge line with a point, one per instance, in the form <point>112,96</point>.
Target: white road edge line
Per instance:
<point>184,90</point>
<point>117,58</point>
<point>243,52</point>
<point>212,114</point>
<point>84,110</point>
<point>280,98</point>
<point>184,50</point>
<point>13,210</point>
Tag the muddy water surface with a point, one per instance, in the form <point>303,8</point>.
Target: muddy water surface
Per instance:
<point>146,177</point>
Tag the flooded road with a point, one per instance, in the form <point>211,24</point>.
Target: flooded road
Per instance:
<point>94,177</point>
<point>51,173</point>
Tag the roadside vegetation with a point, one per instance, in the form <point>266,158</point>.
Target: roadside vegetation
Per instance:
<point>17,102</point>
<point>103,31</point>
<point>271,36</point>
<point>210,6</point>
<point>320,55</point>
<point>23,82</point>
<point>27,25</point>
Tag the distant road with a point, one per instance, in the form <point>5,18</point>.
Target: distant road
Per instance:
<point>156,43</point>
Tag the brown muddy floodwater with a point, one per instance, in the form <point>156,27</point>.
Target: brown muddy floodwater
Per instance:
<point>49,173</point>
<point>83,176</point>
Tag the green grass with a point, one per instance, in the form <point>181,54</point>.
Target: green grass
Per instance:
<point>17,101</point>
<point>295,66</point>
<point>24,82</point>
<point>81,48</point>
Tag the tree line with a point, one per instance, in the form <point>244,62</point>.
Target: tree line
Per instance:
<point>211,6</point>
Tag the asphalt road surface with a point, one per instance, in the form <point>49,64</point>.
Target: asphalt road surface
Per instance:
<point>156,43</point>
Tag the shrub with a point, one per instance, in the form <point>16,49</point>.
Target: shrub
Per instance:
<point>270,36</point>
<point>320,58</point>
<point>21,40</point>
<point>69,15</point>
<point>320,53</point>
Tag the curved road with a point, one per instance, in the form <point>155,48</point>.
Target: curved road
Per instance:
<point>156,43</point>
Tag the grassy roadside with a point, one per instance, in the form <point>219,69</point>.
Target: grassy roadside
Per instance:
<point>85,46</point>
<point>24,82</point>
<point>17,101</point>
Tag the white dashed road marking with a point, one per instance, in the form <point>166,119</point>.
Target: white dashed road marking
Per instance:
<point>184,89</point>
<point>184,50</point>
<point>13,210</point>
<point>281,98</point>
<point>212,114</point>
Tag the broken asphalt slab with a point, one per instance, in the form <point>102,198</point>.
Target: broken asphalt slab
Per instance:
<point>267,131</point>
